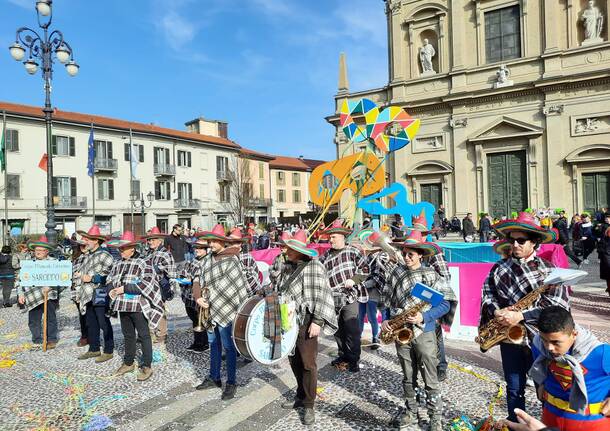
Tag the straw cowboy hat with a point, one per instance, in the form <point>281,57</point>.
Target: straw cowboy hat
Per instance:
<point>524,223</point>
<point>299,243</point>
<point>41,242</point>
<point>371,240</point>
<point>92,233</point>
<point>337,227</point>
<point>415,241</point>
<point>155,232</point>
<point>128,239</point>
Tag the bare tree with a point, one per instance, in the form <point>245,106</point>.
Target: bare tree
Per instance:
<point>235,190</point>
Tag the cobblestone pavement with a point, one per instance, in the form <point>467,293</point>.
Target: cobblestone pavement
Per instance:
<point>55,391</point>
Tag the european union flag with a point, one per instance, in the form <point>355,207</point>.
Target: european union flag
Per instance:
<point>91,155</point>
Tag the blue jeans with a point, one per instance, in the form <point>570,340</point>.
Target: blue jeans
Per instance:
<point>370,310</point>
<point>219,338</point>
<point>516,361</point>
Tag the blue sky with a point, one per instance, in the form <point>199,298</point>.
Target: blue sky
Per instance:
<point>268,67</point>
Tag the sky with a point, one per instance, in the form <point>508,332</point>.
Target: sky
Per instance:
<point>267,67</point>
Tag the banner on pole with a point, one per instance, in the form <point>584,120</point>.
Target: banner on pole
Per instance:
<point>45,273</point>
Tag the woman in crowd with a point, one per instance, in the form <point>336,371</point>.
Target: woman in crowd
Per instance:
<point>7,275</point>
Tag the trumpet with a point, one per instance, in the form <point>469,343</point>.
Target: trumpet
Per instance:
<point>203,319</point>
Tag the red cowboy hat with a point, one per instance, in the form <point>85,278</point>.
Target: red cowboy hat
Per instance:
<point>524,223</point>
<point>217,233</point>
<point>128,239</point>
<point>299,243</point>
<point>237,236</point>
<point>201,243</point>
<point>92,233</point>
<point>421,224</point>
<point>337,227</point>
<point>283,237</point>
<point>41,242</point>
<point>155,232</point>
<point>416,241</point>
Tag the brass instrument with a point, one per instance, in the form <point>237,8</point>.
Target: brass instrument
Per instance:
<point>203,319</point>
<point>493,333</point>
<point>399,332</point>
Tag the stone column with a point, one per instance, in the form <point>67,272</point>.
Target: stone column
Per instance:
<point>554,151</point>
<point>551,18</point>
<point>457,35</point>
<point>462,194</point>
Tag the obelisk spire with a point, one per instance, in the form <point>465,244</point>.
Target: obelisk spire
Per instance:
<point>343,82</point>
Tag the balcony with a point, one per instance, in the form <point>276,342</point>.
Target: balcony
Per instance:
<point>70,202</point>
<point>164,170</point>
<point>187,204</point>
<point>223,176</point>
<point>110,165</point>
<point>259,202</point>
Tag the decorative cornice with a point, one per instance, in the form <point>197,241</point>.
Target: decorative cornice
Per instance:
<point>553,109</point>
<point>457,123</point>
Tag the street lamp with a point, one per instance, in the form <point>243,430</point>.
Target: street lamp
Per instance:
<point>44,48</point>
<point>142,205</point>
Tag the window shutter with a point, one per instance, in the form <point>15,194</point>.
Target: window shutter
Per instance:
<point>109,149</point>
<point>72,147</point>
<point>156,156</point>
<point>54,145</point>
<point>126,152</point>
<point>190,186</point>
<point>141,153</point>
<point>189,159</point>
<point>100,188</point>
<point>54,186</point>
<point>157,190</point>
<point>111,189</point>
<point>73,187</point>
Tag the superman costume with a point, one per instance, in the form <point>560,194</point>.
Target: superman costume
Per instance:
<point>557,386</point>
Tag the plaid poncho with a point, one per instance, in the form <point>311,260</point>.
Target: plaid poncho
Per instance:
<point>511,279</point>
<point>162,263</point>
<point>227,286</point>
<point>342,265</point>
<point>192,271</point>
<point>379,264</point>
<point>311,292</point>
<point>76,264</point>
<point>99,263</point>
<point>138,272</point>
<point>276,267</point>
<point>34,295</point>
<point>439,264</point>
<point>251,272</point>
<point>397,295</point>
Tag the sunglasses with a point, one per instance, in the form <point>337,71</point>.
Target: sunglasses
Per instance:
<point>519,241</point>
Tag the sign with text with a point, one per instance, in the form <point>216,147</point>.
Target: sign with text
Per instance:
<point>45,273</point>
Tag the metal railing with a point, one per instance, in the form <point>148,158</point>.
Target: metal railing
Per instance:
<point>187,204</point>
<point>163,169</point>
<point>260,202</point>
<point>105,164</point>
<point>223,175</point>
<point>70,202</point>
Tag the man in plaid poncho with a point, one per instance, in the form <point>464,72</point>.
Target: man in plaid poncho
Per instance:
<point>137,299</point>
<point>222,289</point>
<point>33,298</point>
<point>304,281</point>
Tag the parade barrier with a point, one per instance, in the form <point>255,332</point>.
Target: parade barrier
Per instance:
<point>469,264</point>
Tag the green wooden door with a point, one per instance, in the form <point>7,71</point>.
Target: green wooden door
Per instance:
<point>432,193</point>
<point>596,191</point>
<point>507,183</point>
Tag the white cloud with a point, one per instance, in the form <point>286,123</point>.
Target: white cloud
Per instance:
<point>177,30</point>
<point>274,7</point>
<point>26,4</point>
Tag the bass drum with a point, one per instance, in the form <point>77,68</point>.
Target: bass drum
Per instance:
<point>249,333</point>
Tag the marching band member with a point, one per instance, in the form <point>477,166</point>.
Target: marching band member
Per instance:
<point>223,288</point>
<point>92,295</point>
<point>345,265</point>
<point>192,271</point>
<point>247,261</point>
<point>303,280</point>
<point>278,263</point>
<point>33,298</point>
<point>136,297</point>
<point>79,253</point>
<point>397,295</point>
<point>162,262</point>
<point>508,281</point>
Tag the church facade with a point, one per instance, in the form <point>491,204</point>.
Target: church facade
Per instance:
<point>513,98</point>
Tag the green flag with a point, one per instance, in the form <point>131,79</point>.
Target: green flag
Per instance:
<point>2,148</point>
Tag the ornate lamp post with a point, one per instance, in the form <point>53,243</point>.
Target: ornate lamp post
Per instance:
<point>45,48</point>
<point>142,205</point>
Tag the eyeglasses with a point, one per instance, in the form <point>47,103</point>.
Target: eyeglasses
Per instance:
<point>520,241</point>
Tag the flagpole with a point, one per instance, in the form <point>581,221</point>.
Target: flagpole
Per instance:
<point>5,230</point>
<point>131,176</point>
<point>93,183</point>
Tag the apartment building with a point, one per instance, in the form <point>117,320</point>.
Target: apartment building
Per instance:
<point>179,176</point>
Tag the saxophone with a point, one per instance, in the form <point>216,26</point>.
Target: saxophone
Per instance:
<point>493,333</point>
<point>399,332</point>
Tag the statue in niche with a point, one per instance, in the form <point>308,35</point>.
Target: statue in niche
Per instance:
<point>426,52</point>
<point>592,21</point>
